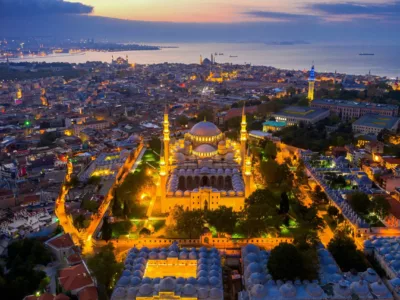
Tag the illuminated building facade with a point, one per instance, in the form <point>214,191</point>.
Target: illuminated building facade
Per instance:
<point>205,170</point>
<point>311,84</point>
<point>171,273</point>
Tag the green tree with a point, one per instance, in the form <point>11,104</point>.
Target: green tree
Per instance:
<point>206,114</point>
<point>105,267</point>
<point>333,211</point>
<point>381,206</point>
<point>270,150</point>
<point>301,172</point>
<point>106,230</point>
<point>95,180</point>
<point>345,252</point>
<point>224,219</point>
<point>360,203</point>
<point>286,262</point>
<point>189,224</point>
<point>182,120</point>
<point>79,222</point>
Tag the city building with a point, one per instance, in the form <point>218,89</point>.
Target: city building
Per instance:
<point>205,170</point>
<point>171,273</point>
<point>260,285</point>
<point>75,279</point>
<point>348,110</point>
<point>293,115</point>
<point>375,124</point>
<point>273,126</point>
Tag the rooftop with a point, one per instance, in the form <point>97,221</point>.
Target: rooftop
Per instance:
<point>377,121</point>
<point>355,104</point>
<point>300,112</point>
<point>63,241</point>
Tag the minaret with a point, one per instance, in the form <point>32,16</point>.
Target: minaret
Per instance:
<point>311,83</point>
<point>163,177</point>
<point>166,136</point>
<point>201,60</point>
<point>127,60</point>
<point>247,174</point>
<point>243,135</point>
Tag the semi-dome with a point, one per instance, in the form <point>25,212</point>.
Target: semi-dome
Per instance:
<point>205,129</point>
<point>204,150</point>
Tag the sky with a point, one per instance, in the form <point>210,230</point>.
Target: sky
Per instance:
<point>201,20</point>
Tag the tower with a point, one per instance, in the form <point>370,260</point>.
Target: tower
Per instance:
<point>243,135</point>
<point>311,83</point>
<point>166,136</point>
<point>247,174</point>
<point>127,60</point>
<point>201,60</point>
<point>163,176</point>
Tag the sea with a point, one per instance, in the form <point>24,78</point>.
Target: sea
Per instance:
<point>327,58</point>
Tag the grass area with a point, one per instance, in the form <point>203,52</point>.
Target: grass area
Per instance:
<point>157,224</point>
<point>121,228</point>
<point>330,222</point>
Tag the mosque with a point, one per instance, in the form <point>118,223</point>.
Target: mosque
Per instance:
<point>204,170</point>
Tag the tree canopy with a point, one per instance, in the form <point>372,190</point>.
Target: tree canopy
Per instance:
<point>224,219</point>
<point>360,203</point>
<point>105,267</point>
<point>22,278</point>
<point>286,262</point>
<point>345,252</point>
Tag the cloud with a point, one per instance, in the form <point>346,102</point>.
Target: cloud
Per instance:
<point>388,10</point>
<point>11,8</point>
<point>280,16</point>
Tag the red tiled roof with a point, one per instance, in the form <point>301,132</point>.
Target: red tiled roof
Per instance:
<point>75,277</point>
<point>88,293</point>
<point>237,112</point>
<point>394,207</point>
<point>46,296</point>
<point>74,258</point>
<point>392,160</point>
<point>63,241</point>
<point>61,297</point>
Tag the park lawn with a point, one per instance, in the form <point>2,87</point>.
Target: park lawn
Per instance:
<point>121,228</point>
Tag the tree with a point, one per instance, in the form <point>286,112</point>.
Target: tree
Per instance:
<point>333,211</point>
<point>95,180</point>
<point>260,213</point>
<point>287,263</point>
<point>224,219</point>
<point>105,267</point>
<point>189,224</point>
<point>300,173</point>
<point>182,120</point>
<point>270,150</point>
<point>155,144</point>
<point>22,278</point>
<point>360,203</point>
<point>106,230</point>
<point>345,252</point>
<point>284,204</point>
<point>206,114</point>
<point>381,206</point>
<point>79,222</point>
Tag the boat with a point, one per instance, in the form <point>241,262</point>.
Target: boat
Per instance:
<point>220,54</point>
<point>364,54</point>
<point>233,56</point>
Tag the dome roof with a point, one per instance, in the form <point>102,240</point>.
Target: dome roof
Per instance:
<point>205,129</point>
<point>205,148</point>
<point>167,284</point>
<point>146,290</point>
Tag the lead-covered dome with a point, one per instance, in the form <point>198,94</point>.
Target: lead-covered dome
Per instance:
<point>205,129</point>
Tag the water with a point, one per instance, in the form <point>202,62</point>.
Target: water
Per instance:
<point>343,59</point>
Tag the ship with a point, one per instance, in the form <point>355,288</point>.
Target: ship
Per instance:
<point>363,54</point>
<point>232,55</point>
<point>220,54</point>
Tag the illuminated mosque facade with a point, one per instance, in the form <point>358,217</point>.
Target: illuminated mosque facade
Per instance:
<point>204,170</point>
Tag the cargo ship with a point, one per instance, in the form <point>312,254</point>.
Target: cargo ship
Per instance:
<point>366,54</point>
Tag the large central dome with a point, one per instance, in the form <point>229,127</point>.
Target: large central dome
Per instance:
<point>206,129</point>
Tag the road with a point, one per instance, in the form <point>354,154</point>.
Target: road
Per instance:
<point>94,224</point>
<point>84,238</point>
